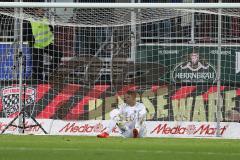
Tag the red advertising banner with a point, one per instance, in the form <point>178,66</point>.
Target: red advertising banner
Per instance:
<point>163,103</point>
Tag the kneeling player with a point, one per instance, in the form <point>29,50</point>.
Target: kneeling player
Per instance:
<point>129,118</point>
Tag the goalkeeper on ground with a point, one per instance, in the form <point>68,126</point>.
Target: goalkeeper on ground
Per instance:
<point>129,118</point>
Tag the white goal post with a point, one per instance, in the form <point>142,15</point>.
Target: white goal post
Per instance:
<point>119,5</point>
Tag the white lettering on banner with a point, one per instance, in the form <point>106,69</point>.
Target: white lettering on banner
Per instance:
<point>222,52</point>
<point>195,75</point>
<point>16,90</point>
<point>189,129</point>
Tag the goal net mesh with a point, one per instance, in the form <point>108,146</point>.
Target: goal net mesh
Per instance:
<point>169,56</point>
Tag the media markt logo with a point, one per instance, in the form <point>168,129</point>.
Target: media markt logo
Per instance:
<point>194,70</point>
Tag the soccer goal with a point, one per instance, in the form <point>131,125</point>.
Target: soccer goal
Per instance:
<point>183,59</point>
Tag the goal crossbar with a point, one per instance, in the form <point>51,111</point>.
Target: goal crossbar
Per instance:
<point>118,5</point>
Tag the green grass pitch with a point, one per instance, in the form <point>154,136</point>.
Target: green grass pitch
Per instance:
<point>115,148</point>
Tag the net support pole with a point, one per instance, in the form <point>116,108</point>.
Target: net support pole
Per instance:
<point>133,34</point>
<point>16,34</point>
<point>219,98</point>
<point>193,27</point>
<point>20,59</point>
<point>111,62</point>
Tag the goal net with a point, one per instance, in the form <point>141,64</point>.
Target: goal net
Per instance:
<point>184,63</point>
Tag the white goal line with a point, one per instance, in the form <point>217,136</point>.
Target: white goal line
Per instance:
<point>118,5</point>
